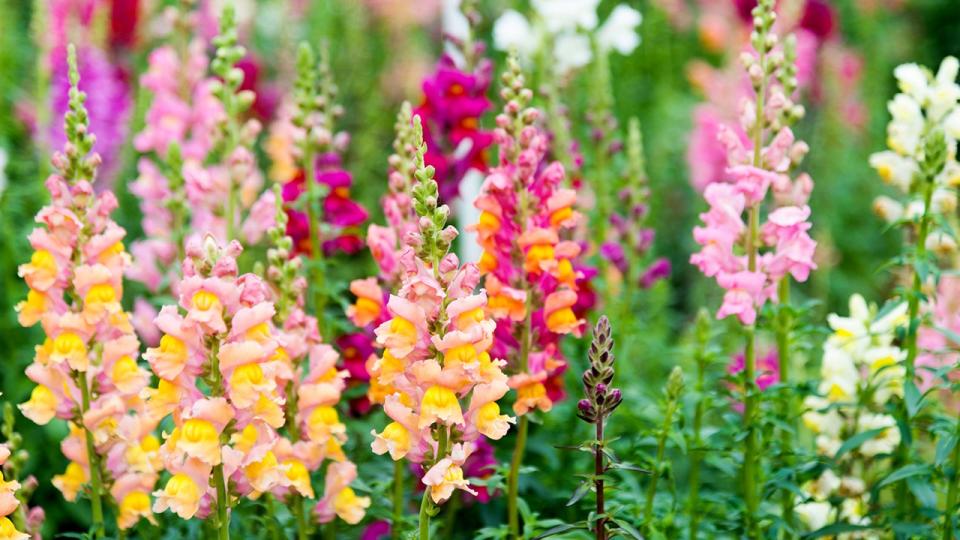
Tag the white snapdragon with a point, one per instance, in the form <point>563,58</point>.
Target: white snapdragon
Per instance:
<point>861,371</point>
<point>925,100</point>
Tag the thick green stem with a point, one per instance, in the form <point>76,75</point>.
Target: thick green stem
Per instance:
<point>426,505</point>
<point>425,516</point>
<point>949,509</point>
<point>750,447</point>
<point>96,482</point>
<point>784,328</point>
<point>749,367</point>
<point>903,451</point>
<point>661,449</point>
<point>513,481</point>
<point>696,451</point>
<point>301,517</point>
<point>397,499</point>
<point>223,505</point>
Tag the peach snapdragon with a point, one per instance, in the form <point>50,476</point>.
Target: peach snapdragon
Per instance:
<point>439,381</point>
<point>312,386</point>
<point>220,373</point>
<point>86,370</point>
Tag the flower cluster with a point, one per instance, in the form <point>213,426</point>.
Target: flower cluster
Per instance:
<point>306,156</point>
<point>861,372</point>
<point>387,243</point>
<point>601,399</point>
<point>9,503</point>
<point>926,101</point>
<point>530,270</point>
<point>311,385</point>
<point>437,353</point>
<point>86,370</point>
<point>454,100</point>
<point>220,370</point>
<point>568,26</point>
<point>746,259</point>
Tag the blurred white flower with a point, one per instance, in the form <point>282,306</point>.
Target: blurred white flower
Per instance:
<point>571,51</point>
<point>619,31</point>
<point>512,32</point>
<point>883,443</point>
<point>568,24</point>
<point>815,515</point>
<point>455,23</point>
<point>560,15</point>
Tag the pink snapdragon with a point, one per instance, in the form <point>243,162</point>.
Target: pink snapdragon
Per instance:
<point>531,271</point>
<point>219,333</point>
<point>747,259</point>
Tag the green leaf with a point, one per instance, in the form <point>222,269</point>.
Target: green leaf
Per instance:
<point>945,446</point>
<point>912,397</point>
<point>907,471</point>
<point>854,442</point>
<point>580,492</point>
<point>627,528</point>
<point>837,528</point>
<point>559,529</point>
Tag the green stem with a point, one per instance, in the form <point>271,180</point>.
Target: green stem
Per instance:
<point>949,509</point>
<point>661,449</point>
<point>513,481</point>
<point>96,482</point>
<point>220,483</point>
<point>749,368</point>
<point>903,451</point>
<point>696,451</point>
<point>316,248</point>
<point>397,499</point>
<point>784,329</point>
<point>223,505</point>
<point>425,516</point>
<point>750,448</point>
<point>301,516</point>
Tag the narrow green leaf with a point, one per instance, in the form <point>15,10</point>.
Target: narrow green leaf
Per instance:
<point>854,442</point>
<point>907,471</point>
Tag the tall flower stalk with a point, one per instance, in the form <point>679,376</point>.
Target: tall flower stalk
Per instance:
<point>921,163</point>
<point>86,370</point>
<point>529,266</point>
<point>436,353</point>
<point>600,402</point>
<point>701,358</point>
<point>750,259</point>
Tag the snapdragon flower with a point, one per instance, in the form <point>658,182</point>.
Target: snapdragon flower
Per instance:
<point>926,101</point>
<point>748,259</point>
<point>86,370</point>
<point>311,385</point>
<point>441,384</point>
<point>530,269</point>
<point>220,373</point>
<point>861,374</point>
